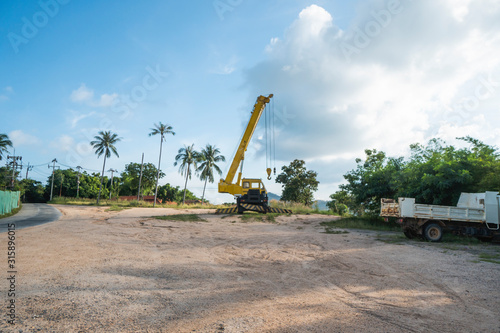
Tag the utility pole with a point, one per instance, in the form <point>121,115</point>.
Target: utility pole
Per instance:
<point>54,161</point>
<point>140,179</point>
<point>29,168</point>
<point>15,165</point>
<point>62,180</point>
<point>78,182</point>
<point>111,189</point>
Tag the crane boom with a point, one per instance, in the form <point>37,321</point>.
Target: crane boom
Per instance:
<point>258,108</point>
<point>250,193</point>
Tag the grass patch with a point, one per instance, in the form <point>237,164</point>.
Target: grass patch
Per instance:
<point>489,257</point>
<point>126,203</point>
<point>181,218</point>
<point>251,216</point>
<point>298,208</point>
<point>335,231</point>
<point>258,217</point>
<point>449,242</point>
<point>74,201</point>
<point>13,212</point>
<point>116,208</point>
<point>393,239</point>
<point>361,223</point>
<point>460,240</point>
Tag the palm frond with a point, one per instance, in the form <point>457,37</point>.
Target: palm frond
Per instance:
<point>104,143</point>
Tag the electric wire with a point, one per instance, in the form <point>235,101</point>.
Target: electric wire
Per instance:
<point>70,167</point>
<point>39,165</point>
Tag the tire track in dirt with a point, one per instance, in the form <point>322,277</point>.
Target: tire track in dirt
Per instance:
<point>149,275</point>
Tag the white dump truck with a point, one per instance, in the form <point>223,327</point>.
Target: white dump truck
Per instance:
<point>476,214</point>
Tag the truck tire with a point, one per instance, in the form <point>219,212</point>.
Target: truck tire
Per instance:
<point>433,232</point>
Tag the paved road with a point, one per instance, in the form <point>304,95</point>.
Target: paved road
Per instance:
<point>31,215</point>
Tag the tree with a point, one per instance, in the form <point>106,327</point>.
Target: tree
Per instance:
<point>65,182</point>
<point>342,202</point>
<point>186,156</point>
<point>298,183</point>
<point>372,179</point>
<point>208,157</point>
<point>5,176</point>
<point>32,191</point>
<point>161,129</point>
<point>104,145</point>
<point>4,143</point>
<point>130,178</point>
<point>434,174</point>
<point>90,185</point>
<point>170,193</point>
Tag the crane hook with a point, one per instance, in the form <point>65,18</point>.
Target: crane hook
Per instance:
<point>269,173</point>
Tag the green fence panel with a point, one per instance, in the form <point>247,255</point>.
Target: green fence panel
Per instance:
<point>9,201</point>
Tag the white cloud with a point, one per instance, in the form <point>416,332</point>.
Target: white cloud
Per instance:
<point>82,94</point>
<point>85,95</point>
<point>225,68</point>
<point>8,91</point>
<point>63,143</point>
<point>19,138</point>
<point>76,117</point>
<point>389,80</point>
<point>107,100</point>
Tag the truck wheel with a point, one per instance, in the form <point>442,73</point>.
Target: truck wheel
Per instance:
<point>433,232</point>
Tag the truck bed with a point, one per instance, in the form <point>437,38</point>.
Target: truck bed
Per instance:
<point>406,207</point>
<point>448,213</point>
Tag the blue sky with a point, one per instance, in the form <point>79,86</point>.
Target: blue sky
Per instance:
<point>346,76</point>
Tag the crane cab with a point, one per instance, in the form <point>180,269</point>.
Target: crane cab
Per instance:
<point>253,193</point>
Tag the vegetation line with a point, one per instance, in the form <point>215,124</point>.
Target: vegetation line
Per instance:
<point>181,218</point>
<point>12,213</point>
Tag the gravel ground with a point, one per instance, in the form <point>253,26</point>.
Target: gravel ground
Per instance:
<point>98,271</point>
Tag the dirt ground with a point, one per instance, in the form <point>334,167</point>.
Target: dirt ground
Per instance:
<point>99,271</point>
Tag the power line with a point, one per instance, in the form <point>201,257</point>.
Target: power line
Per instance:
<point>70,167</point>
<point>67,166</point>
<point>40,173</point>
<point>39,165</point>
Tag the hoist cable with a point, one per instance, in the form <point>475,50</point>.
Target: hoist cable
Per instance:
<point>266,139</point>
<point>274,136</point>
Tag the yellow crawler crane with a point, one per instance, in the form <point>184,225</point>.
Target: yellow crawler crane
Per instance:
<point>250,193</point>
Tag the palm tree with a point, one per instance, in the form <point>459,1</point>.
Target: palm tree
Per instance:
<point>208,157</point>
<point>4,143</point>
<point>186,156</point>
<point>161,129</point>
<point>104,144</point>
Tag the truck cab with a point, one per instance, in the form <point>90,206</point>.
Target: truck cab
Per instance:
<point>254,192</point>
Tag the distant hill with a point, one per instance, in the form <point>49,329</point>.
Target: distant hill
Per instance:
<point>273,196</point>
<point>321,203</point>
